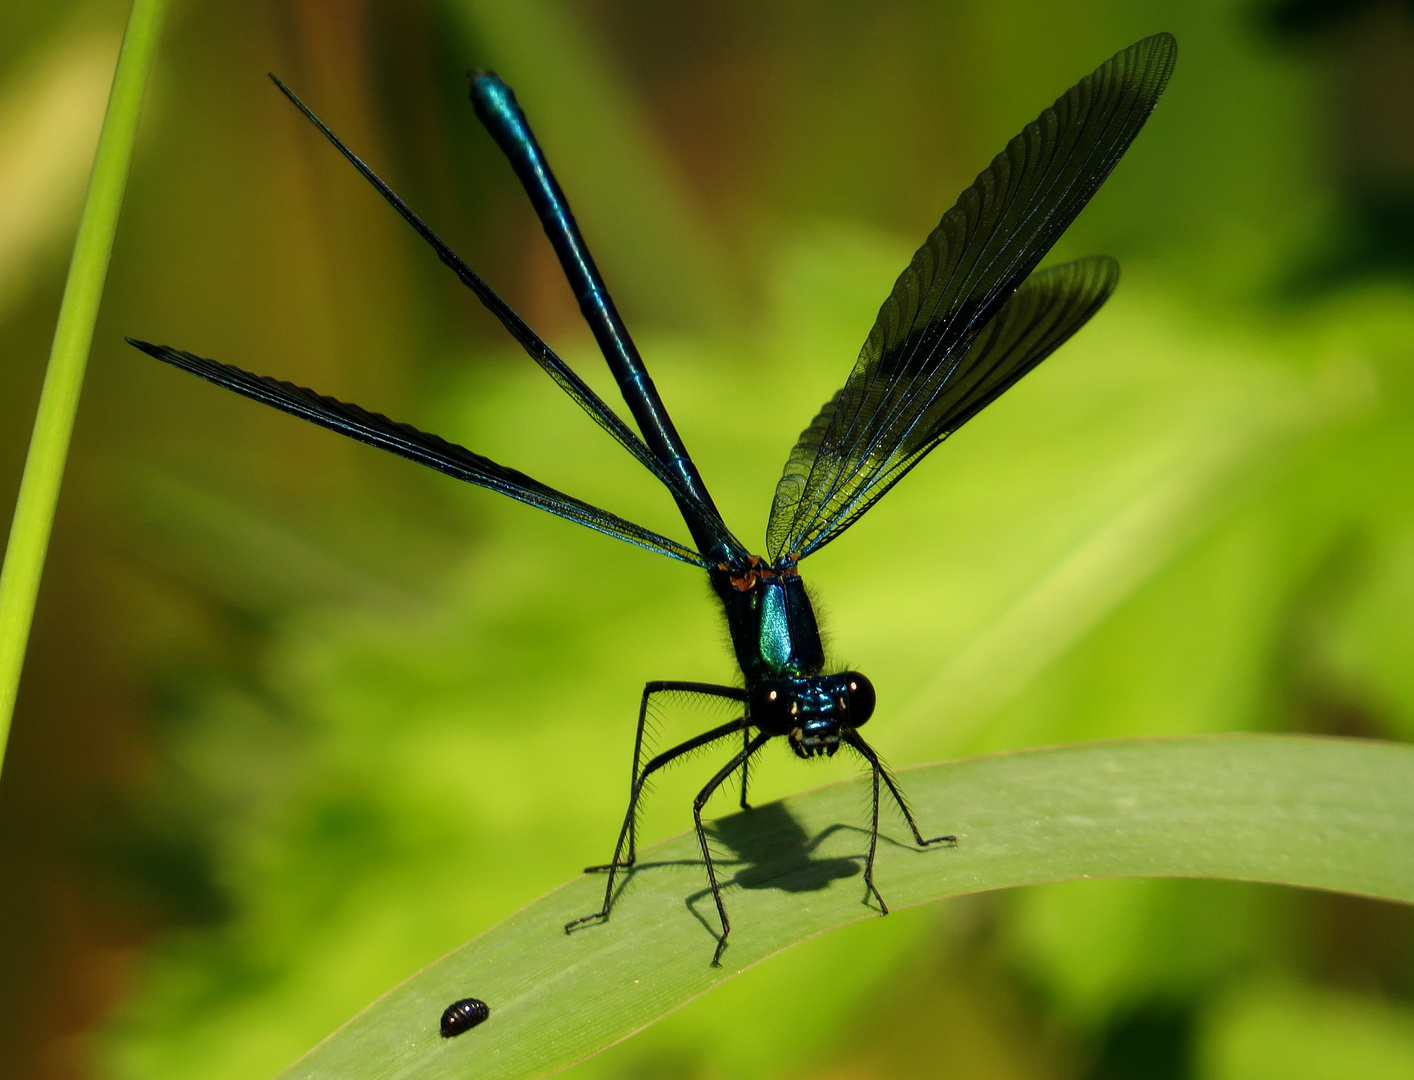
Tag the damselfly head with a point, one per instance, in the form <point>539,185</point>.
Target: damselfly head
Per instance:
<point>813,712</point>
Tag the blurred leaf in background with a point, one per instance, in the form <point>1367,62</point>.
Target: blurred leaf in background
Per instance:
<point>297,719</point>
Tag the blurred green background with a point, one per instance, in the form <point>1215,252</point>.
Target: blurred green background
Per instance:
<point>298,719</point>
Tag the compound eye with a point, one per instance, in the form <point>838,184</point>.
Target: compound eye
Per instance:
<point>861,698</point>
<point>772,706</point>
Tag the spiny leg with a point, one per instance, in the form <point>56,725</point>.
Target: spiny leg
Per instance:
<point>867,751</point>
<point>745,766</point>
<point>697,805</point>
<point>667,756</point>
<point>706,690</point>
<point>874,841</point>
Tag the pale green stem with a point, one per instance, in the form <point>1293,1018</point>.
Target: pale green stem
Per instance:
<point>59,400</point>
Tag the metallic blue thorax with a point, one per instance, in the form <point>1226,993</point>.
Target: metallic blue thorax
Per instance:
<point>772,623</point>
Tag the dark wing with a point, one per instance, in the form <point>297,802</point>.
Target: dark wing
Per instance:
<point>1038,319</point>
<point>967,270</point>
<point>565,377</point>
<point>406,441</point>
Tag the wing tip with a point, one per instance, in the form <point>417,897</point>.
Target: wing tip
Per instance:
<point>1107,271</point>
<point>1162,41</point>
<point>1101,272</point>
<point>1154,58</point>
<point>284,88</point>
<point>157,352</point>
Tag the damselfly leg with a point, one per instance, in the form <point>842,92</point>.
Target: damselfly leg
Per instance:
<point>879,771</point>
<point>707,738</point>
<point>730,693</point>
<point>697,804</point>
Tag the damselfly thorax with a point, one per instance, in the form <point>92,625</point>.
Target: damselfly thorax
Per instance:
<point>777,643</point>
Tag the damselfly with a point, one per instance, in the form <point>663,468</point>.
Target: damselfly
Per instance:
<point>966,319</point>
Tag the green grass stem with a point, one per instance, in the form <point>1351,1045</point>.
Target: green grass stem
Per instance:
<point>63,379</point>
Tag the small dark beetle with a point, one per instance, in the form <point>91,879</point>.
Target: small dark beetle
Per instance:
<point>461,1016</point>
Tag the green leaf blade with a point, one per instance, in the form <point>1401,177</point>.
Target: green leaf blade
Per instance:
<point>1319,813</point>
